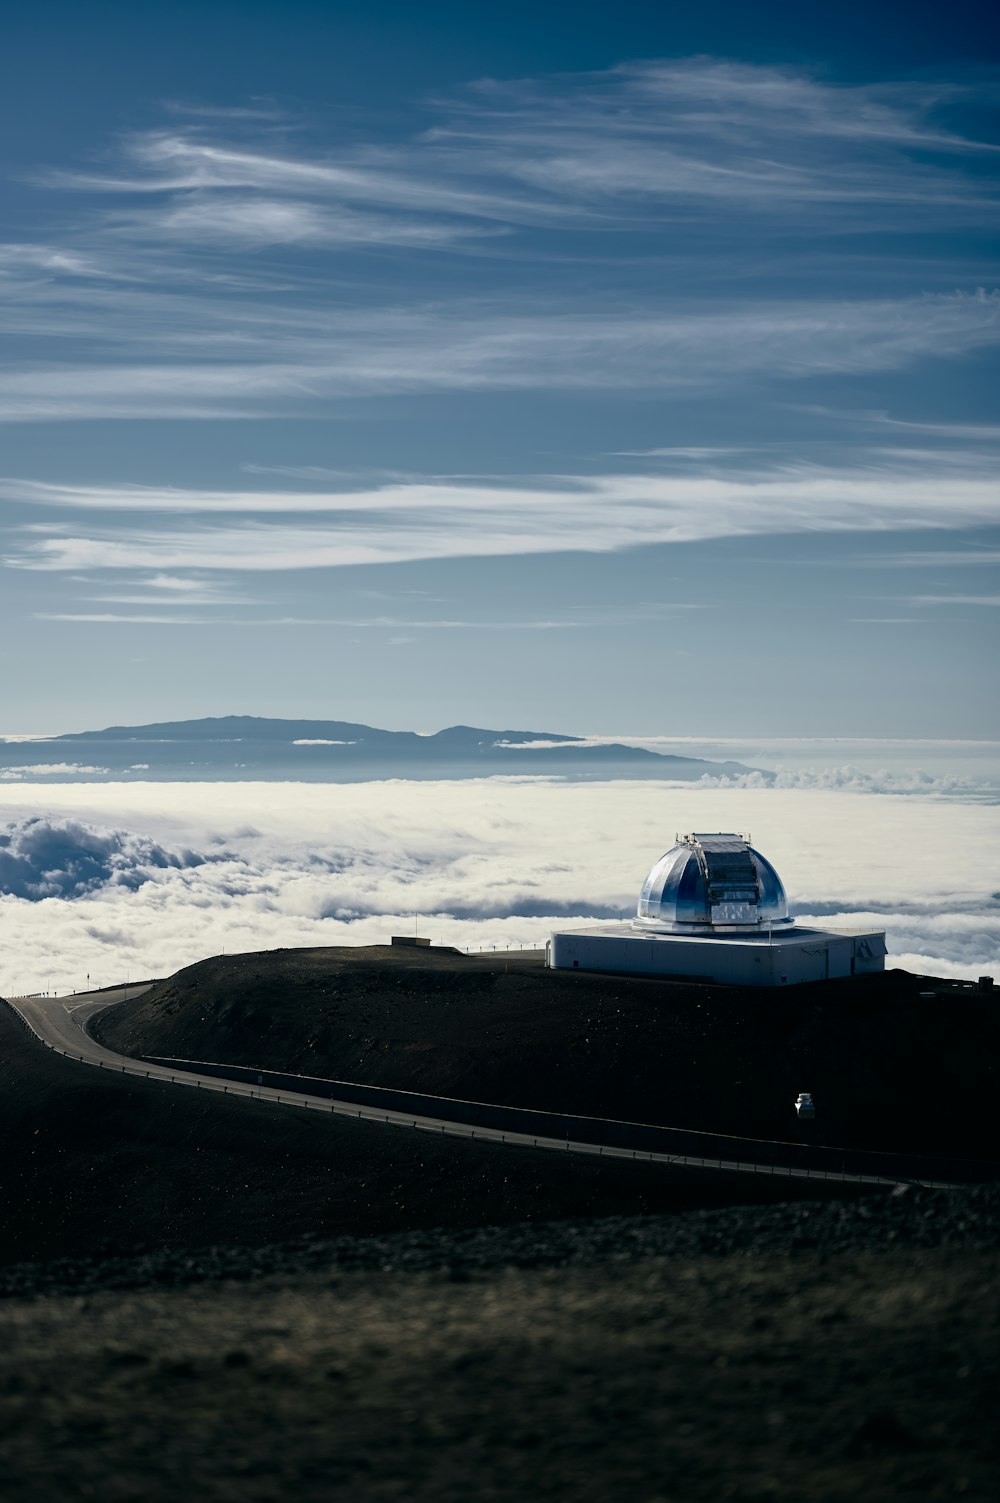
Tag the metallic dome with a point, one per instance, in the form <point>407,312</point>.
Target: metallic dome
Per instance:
<point>707,883</point>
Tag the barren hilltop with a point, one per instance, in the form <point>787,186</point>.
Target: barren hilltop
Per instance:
<point>895,1061</point>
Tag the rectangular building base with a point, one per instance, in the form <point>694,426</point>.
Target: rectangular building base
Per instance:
<point>781,959</point>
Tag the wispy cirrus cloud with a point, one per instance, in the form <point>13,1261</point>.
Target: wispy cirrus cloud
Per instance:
<point>192,170</point>
<point>728,140</point>
<point>297,364</point>
<point>104,618</point>
<point>174,591</point>
<point>407,521</point>
<point>161,310</point>
<point>972,557</point>
<point>660,133</point>
<point>266,222</point>
<point>986,600</point>
<point>264,110</point>
<point>24,259</point>
<point>643,613</point>
<point>956,432</point>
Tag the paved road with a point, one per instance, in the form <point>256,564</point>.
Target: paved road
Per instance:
<point>59,1022</point>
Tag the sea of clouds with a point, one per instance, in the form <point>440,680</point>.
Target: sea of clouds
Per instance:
<point>110,880</point>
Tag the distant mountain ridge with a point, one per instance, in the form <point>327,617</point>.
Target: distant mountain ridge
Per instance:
<point>347,732</point>
<point>242,747</point>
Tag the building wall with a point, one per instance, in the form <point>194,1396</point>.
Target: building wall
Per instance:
<point>811,957</point>
<point>869,954</point>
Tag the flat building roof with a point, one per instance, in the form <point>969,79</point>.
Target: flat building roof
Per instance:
<point>780,938</point>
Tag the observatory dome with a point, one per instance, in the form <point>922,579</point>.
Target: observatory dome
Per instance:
<point>708,883</point>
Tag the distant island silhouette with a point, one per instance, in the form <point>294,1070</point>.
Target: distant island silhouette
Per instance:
<point>232,747</point>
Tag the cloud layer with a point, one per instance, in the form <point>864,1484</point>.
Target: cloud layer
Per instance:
<point>174,356</point>
<point>52,770</point>
<point>191,278</point>
<point>647,138</point>
<point>110,879</point>
<point>414,520</point>
<point>42,857</point>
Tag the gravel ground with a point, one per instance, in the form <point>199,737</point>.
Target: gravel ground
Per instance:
<point>520,1368</point>
<point>959,1220</point>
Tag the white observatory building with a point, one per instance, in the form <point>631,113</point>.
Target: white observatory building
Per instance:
<point>713,909</point>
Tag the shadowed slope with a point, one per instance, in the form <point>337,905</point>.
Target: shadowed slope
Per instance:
<point>94,1162</point>
<point>889,1068</point>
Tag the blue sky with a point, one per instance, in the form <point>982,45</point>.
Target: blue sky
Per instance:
<point>613,369</point>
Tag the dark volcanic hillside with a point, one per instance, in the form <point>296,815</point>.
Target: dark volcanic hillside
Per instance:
<point>889,1068</point>
<point>96,1163</point>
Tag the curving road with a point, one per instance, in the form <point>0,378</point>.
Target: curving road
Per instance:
<point>60,1024</point>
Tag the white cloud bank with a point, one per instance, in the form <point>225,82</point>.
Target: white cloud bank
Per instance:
<point>46,857</point>
<point>51,770</point>
<point>858,780</point>
<point>169,873</point>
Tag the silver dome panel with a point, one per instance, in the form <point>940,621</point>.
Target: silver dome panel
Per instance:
<point>709,882</point>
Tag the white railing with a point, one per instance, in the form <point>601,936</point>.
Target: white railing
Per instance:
<point>500,949</point>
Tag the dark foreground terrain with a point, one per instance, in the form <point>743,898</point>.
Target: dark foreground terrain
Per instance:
<point>821,1352</point>
<point>211,1298</point>
<point>894,1061</point>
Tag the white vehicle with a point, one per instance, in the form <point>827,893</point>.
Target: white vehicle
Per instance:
<point>805,1108</point>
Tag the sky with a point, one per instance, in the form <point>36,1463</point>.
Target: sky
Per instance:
<point>600,369</point>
